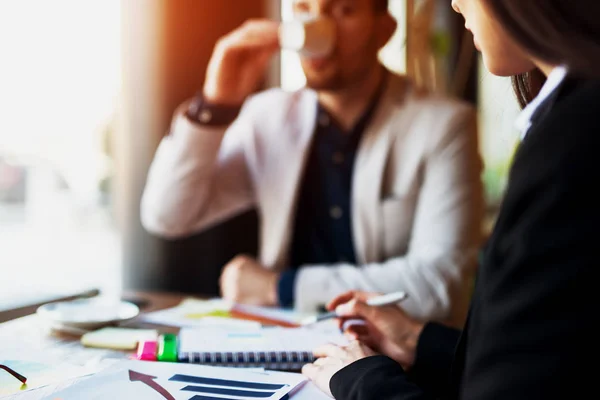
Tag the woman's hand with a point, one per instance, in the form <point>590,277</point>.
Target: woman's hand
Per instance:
<point>331,359</point>
<point>387,330</point>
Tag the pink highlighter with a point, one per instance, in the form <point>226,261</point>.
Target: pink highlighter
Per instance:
<point>147,350</point>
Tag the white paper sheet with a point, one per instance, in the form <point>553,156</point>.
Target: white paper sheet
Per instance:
<point>39,370</point>
<point>280,314</point>
<point>171,381</point>
<point>309,391</point>
<point>213,313</point>
<point>198,313</point>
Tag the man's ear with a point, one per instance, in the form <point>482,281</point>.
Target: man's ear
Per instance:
<point>387,28</point>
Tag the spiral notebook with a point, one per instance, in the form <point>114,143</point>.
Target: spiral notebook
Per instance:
<point>274,348</point>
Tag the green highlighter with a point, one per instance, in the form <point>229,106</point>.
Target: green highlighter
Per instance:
<point>167,348</point>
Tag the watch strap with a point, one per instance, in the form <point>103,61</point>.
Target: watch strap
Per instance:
<point>202,112</point>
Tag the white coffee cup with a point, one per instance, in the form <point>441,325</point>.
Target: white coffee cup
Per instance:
<point>309,36</point>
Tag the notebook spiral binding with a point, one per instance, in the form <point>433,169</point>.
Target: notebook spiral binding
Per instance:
<point>287,361</point>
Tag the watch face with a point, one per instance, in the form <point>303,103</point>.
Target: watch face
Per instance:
<point>205,116</point>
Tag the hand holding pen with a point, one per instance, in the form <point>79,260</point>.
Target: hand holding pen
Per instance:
<point>387,329</point>
<point>372,300</point>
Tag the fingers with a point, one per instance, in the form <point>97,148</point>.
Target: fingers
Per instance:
<point>239,62</point>
<point>262,30</point>
<point>355,308</point>
<point>346,297</point>
<point>332,351</point>
<point>341,299</point>
<point>355,330</point>
<point>329,350</point>
<point>253,34</point>
<point>310,371</point>
<point>228,287</point>
<point>321,372</point>
<point>239,260</point>
<point>260,27</point>
<point>229,279</point>
<point>366,340</point>
<point>322,361</point>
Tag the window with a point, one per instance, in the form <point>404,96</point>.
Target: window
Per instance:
<point>59,81</point>
<point>498,111</point>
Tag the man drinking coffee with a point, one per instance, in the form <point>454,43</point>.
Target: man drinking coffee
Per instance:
<point>361,180</point>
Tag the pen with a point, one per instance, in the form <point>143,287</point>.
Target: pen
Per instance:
<point>384,300</point>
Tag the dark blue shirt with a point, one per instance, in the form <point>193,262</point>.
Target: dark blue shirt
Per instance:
<point>323,225</point>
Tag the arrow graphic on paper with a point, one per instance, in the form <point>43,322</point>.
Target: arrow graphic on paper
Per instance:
<point>148,380</point>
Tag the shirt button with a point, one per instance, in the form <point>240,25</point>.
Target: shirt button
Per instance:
<point>338,158</point>
<point>323,120</point>
<point>336,212</point>
<point>205,116</point>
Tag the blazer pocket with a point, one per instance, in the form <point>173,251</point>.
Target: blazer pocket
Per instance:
<point>397,215</point>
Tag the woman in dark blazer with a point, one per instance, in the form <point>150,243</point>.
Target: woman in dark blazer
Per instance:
<point>531,330</point>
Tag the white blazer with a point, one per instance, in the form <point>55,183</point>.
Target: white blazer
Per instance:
<point>417,197</point>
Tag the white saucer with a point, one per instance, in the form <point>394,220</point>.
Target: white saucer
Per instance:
<point>88,313</point>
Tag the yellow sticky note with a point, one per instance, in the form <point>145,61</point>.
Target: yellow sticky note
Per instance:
<point>118,338</point>
<point>216,313</point>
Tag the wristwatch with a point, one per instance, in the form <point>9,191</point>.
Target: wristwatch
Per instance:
<point>203,112</point>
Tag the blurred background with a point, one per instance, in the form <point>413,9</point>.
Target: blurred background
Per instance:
<point>87,90</point>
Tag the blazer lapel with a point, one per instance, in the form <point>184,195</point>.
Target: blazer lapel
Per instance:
<point>369,168</point>
<point>568,84</point>
<point>292,153</point>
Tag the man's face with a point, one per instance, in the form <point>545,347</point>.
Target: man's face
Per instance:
<point>359,38</point>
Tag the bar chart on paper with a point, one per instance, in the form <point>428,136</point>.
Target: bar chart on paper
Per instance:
<point>170,381</point>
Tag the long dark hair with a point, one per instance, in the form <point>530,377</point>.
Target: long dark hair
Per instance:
<point>556,31</point>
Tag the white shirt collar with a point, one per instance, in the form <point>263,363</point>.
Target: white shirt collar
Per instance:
<point>556,77</point>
